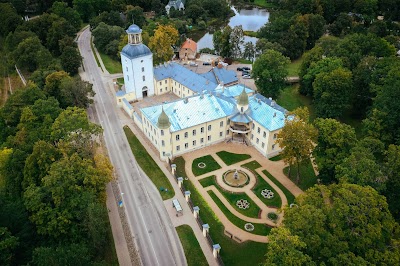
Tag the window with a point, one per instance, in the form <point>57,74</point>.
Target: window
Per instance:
<point>264,134</point>
<point>257,141</point>
<point>221,124</point>
<point>194,143</point>
<point>144,78</point>
<point>209,138</point>
<point>194,132</point>
<point>186,134</point>
<point>273,146</point>
<point>127,77</point>
<point>220,134</point>
<point>160,90</point>
<point>252,136</point>
<point>126,68</point>
<point>163,153</point>
<point>160,83</point>
<point>141,61</point>
<point>227,132</point>
<point>166,88</point>
<point>162,143</point>
<point>178,148</point>
<point>183,95</point>
<point>202,140</point>
<point>165,81</point>
<point>262,145</point>
<point>142,69</point>
<point>209,127</point>
<point>202,130</point>
<point>186,145</point>
<point>258,130</point>
<point>177,137</point>
<point>155,131</point>
<point>275,136</point>
<point>252,127</point>
<point>162,132</point>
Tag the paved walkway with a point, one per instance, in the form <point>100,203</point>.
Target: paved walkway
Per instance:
<point>275,168</point>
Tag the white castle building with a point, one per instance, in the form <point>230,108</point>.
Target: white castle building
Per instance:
<point>212,107</point>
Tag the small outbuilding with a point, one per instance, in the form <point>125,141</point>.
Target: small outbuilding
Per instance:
<point>177,206</point>
<point>188,50</point>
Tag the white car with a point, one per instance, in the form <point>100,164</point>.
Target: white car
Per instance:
<point>246,77</point>
<point>193,64</point>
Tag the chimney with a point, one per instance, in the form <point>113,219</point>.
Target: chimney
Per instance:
<point>273,103</point>
<point>274,114</point>
<point>270,98</point>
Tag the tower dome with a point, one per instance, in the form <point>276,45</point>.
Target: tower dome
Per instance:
<point>163,120</point>
<point>133,29</point>
<point>243,98</point>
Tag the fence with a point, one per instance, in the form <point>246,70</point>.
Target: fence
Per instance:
<point>199,221</point>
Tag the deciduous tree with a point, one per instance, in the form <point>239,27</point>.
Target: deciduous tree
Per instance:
<point>161,43</point>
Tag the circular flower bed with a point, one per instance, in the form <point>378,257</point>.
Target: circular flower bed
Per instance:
<point>272,216</point>
<point>201,165</point>
<point>267,193</point>
<point>243,204</point>
<point>249,227</point>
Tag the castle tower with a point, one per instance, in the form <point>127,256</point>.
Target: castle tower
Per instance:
<point>137,65</point>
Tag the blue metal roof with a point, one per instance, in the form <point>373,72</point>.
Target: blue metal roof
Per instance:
<point>225,76</point>
<point>233,91</point>
<point>120,93</point>
<point>210,76</point>
<point>270,117</point>
<point>241,118</point>
<point>184,76</point>
<point>192,111</point>
<point>135,50</point>
<point>125,101</point>
<point>133,29</point>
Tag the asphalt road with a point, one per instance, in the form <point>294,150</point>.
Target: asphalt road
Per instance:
<point>155,236</point>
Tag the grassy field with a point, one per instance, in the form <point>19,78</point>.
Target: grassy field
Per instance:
<point>259,229</point>
<point>111,65</point>
<point>294,67</point>
<point>149,166</point>
<point>232,158</point>
<point>289,196</point>
<point>290,98</point>
<point>307,175</point>
<point>262,184</point>
<point>276,158</point>
<point>208,181</point>
<point>194,254</point>
<point>264,3</point>
<point>120,81</point>
<point>211,165</point>
<point>253,165</point>
<point>250,33</point>
<point>232,253</point>
<point>95,55</point>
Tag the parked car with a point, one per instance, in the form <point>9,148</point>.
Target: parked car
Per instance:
<point>193,64</point>
<point>246,77</point>
<point>206,64</point>
<point>246,68</point>
<point>245,73</point>
<point>239,69</point>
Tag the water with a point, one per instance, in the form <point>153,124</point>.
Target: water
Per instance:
<point>250,19</point>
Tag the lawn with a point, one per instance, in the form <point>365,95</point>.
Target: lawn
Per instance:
<point>109,254</point>
<point>120,81</point>
<point>289,196</point>
<point>232,158</point>
<point>232,253</point>
<point>208,181</point>
<point>307,175</point>
<point>243,61</point>
<point>290,98</point>
<point>276,158</point>
<point>264,3</point>
<point>148,165</point>
<point>111,65</point>
<point>294,67</point>
<point>194,254</point>
<point>259,229</point>
<point>250,33</point>
<point>211,165</point>
<point>253,165</point>
<point>95,55</point>
<point>262,184</point>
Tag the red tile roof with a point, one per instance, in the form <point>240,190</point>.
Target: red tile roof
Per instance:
<point>190,44</point>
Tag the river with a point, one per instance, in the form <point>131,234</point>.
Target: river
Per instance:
<point>250,19</point>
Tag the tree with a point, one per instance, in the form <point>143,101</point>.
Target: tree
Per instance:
<point>59,29</point>
<point>236,40</point>
<point>285,249</point>
<point>332,92</point>
<point>222,42</point>
<point>297,139</point>
<point>103,34</point>
<point>7,245</point>
<point>62,254</point>
<point>71,60</point>
<point>61,9</point>
<point>161,43</point>
<point>135,14</point>
<point>194,12</point>
<point>392,170</point>
<point>89,8</point>
<point>263,45</point>
<point>112,18</point>
<point>344,223</point>
<point>342,25</point>
<point>269,72</point>
<point>249,51</point>
<point>9,19</point>
<point>76,92</point>
<point>335,141</point>
<point>53,84</point>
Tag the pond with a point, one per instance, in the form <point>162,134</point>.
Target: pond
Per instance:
<point>250,19</point>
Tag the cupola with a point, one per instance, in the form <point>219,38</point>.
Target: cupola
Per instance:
<point>134,34</point>
<point>243,101</point>
<point>163,120</point>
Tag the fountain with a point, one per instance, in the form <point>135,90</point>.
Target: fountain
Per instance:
<point>235,178</point>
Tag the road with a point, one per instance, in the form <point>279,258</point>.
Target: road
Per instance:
<point>154,235</point>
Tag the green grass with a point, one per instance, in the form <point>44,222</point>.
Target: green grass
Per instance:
<point>243,61</point>
<point>259,229</point>
<point>250,33</point>
<point>262,184</point>
<point>290,98</point>
<point>253,165</point>
<point>264,3</point>
<point>110,254</point>
<point>194,254</point>
<point>111,65</point>
<point>148,165</point>
<point>211,165</point>
<point>307,175</point>
<point>232,158</point>
<point>289,196</point>
<point>208,181</point>
<point>95,55</point>
<point>120,81</point>
<point>232,252</point>
<point>294,67</point>
<point>276,158</point>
